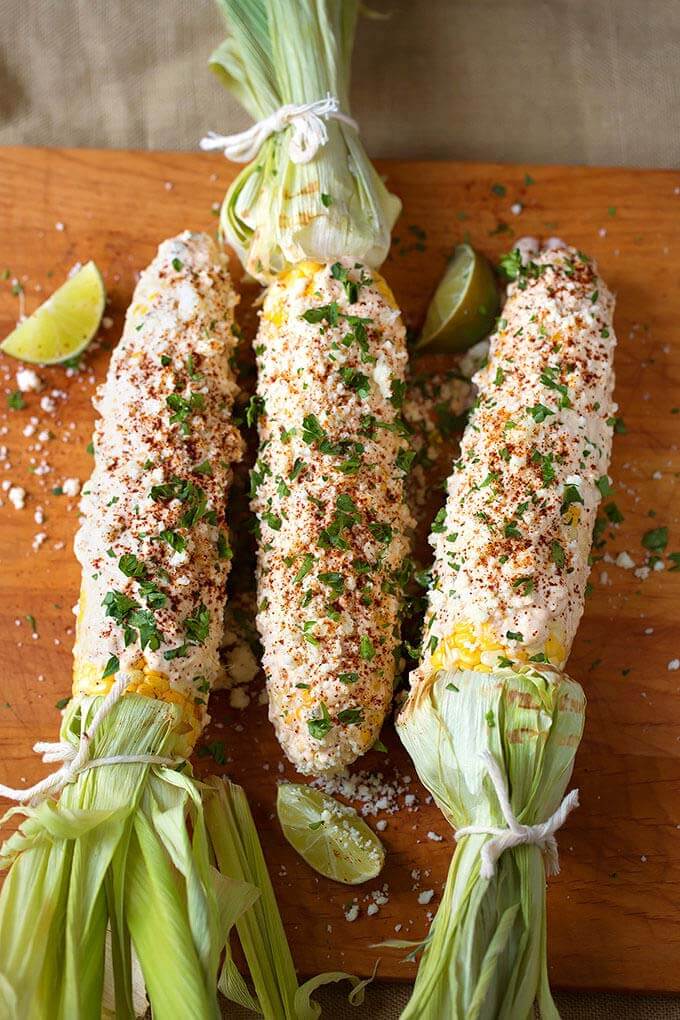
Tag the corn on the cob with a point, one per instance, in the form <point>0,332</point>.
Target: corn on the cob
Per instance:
<point>512,545</point>
<point>114,851</point>
<point>492,721</point>
<point>328,489</point>
<point>153,543</point>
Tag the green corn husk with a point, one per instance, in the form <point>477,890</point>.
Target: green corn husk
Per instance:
<point>115,852</point>
<point>260,930</point>
<point>118,877</point>
<point>278,213</point>
<point>485,955</point>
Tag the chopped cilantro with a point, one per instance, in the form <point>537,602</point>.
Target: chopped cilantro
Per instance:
<point>320,726</point>
<point>604,485</point>
<point>348,716</point>
<point>618,425</point>
<point>176,541</point>
<point>613,513</point>
<point>366,649</point>
<point>330,313</point>
<point>557,553</point>
<point>254,409</point>
<point>305,567</point>
<point>656,539</point>
<point>525,585</point>
<point>131,566</point>
<point>215,750</point>
<point>111,668</point>
<point>224,550</point>
<point>539,412</point>
<point>197,625</point>
<point>570,495</point>
<point>15,401</point>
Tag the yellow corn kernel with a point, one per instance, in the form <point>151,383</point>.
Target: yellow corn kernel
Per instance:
<point>554,650</point>
<point>88,681</point>
<point>465,646</point>
<point>384,289</point>
<point>305,270</point>
<point>573,514</point>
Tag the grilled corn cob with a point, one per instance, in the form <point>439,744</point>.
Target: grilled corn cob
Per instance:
<point>328,489</point>
<point>114,852</point>
<point>512,545</point>
<point>154,544</point>
<point>492,722</point>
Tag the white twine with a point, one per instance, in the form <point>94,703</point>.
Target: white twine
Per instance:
<point>76,758</point>
<point>517,834</point>
<point>309,131</point>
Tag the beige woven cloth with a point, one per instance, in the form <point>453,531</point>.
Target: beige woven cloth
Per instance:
<point>574,81</point>
<point>385,1002</point>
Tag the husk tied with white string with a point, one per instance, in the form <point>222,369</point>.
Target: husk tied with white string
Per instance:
<point>115,854</point>
<point>485,956</point>
<point>130,884</point>
<point>280,211</point>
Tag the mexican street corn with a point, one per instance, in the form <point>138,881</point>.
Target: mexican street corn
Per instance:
<point>491,722</point>
<point>512,544</point>
<point>328,489</point>
<point>154,542</point>
<point>328,486</point>
<point>114,852</point>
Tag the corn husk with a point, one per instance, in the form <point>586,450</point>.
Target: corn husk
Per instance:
<point>485,955</point>
<point>277,995</point>
<point>277,212</point>
<point>115,852</point>
<point>129,887</point>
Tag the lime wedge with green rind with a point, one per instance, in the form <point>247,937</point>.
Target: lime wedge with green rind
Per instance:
<point>329,836</point>
<point>464,307</point>
<point>63,325</point>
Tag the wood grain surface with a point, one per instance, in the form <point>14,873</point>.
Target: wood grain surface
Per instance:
<point>615,909</point>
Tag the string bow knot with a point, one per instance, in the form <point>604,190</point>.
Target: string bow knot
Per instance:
<point>308,135</point>
<point>516,833</point>
<point>76,757</point>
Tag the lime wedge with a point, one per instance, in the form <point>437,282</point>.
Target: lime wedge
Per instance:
<point>464,307</point>
<point>329,836</point>
<point>64,324</point>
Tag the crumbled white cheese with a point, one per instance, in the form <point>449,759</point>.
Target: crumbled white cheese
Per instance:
<point>673,665</point>
<point>71,486</point>
<point>17,497</point>
<point>238,698</point>
<point>425,896</point>
<point>28,381</point>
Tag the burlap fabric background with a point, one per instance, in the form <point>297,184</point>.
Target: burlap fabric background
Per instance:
<point>575,81</point>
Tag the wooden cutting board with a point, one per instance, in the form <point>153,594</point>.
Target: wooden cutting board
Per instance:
<point>615,909</point>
